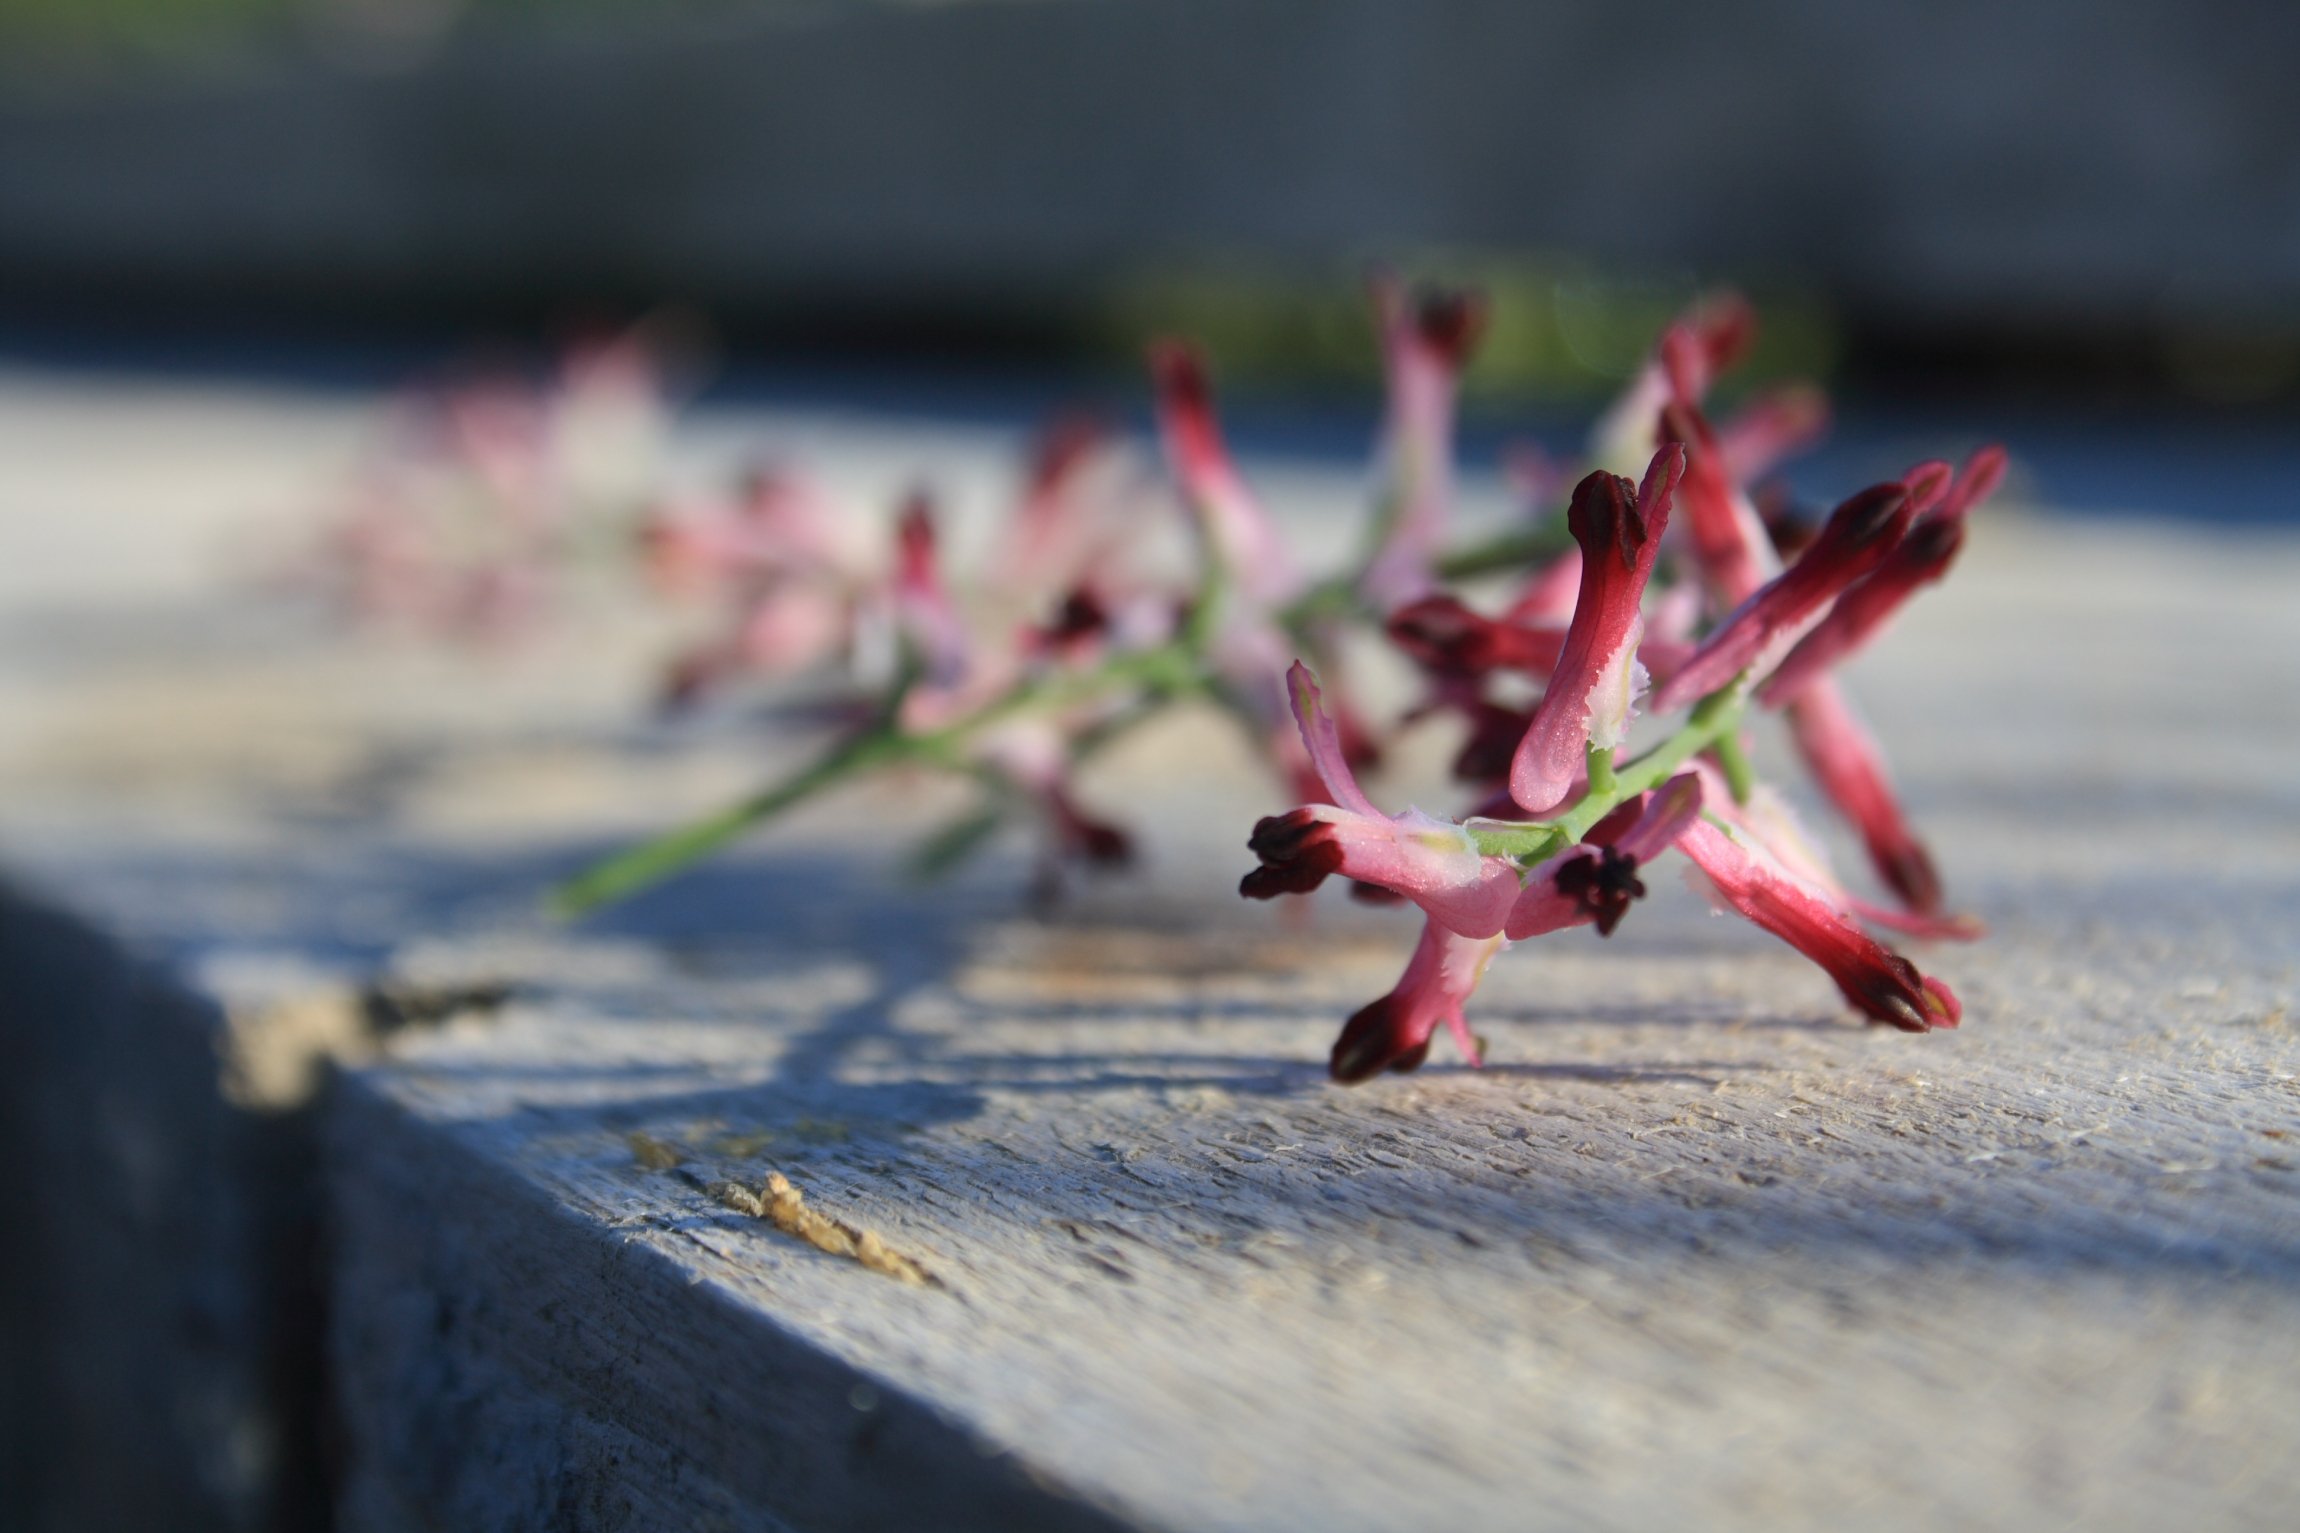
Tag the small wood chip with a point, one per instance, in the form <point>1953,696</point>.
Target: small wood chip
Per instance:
<point>785,1207</point>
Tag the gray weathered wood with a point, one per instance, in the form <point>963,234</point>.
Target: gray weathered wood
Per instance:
<point>1693,1248</point>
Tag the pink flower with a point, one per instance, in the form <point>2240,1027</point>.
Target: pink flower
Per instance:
<point>1069,522</point>
<point>1394,1032</point>
<point>923,608</point>
<point>1709,340</point>
<point>778,525</point>
<point>1435,863</point>
<point>1850,769</point>
<point>1596,881</point>
<point>1776,425</point>
<point>1232,521</point>
<point>1426,339</point>
<point>1917,560</point>
<point>1874,978</point>
<point>1594,686</point>
<point>1758,633</point>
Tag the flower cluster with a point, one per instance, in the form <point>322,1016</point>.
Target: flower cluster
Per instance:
<point>1074,629</point>
<point>1674,595</point>
<point>1666,590</point>
<point>1013,677</point>
<point>479,495</point>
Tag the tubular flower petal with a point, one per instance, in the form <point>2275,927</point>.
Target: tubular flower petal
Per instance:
<point>1426,340</point>
<point>1048,542</point>
<point>1709,340</point>
<point>922,604</point>
<point>1774,426</point>
<point>1850,769</point>
<point>1394,1032</point>
<point>1231,520</point>
<point>1768,822</point>
<point>1758,633</point>
<point>1919,559</point>
<point>1597,881</point>
<point>1729,539</point>
<point>1592,690</point>
<point>1874,978</point>
<point>1435,863</point>
<point>1448,639</point>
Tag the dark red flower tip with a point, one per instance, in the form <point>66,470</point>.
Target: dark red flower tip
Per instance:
<point>1878,514</point>
<point>1931,544</point>
<point>1376,1038</point>
<point>1789,527</point>
<point>1604,517</point>
<point>1604,883</point>
<point>1895,993</point>
<point>1727,326</point>
<point>1103,844</point>
<point>1907,869</point>
<point>1097,842</point>
<point>1060,448</point>
<point>1450,321</point>
<point>1299,851</point>
<point>1494,731</point>
<point>1711,341</point>
<point>1081,616</point>
<point>914,537</point>
<point>1922,556</point>
<point>1447,638</point>
<point>1178,372</point>
<point>1441,634</point>
<point>1858,537</point>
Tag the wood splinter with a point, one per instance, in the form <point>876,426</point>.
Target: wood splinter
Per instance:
<point>785,1207</point>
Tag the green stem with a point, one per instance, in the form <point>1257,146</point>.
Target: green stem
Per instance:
<point>1510,551</point>
<point>626,873</point>
<point>1167,670</point>
<point>1740,776</point>
<point>1715,716</point>
<point>1601,769</point>
<point>1174,669</point>
<point>1515,550</point>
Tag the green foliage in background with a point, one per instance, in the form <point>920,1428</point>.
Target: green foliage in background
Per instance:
<point>1560,330</point>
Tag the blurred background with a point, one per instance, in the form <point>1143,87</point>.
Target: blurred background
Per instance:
<point>2075,221</point>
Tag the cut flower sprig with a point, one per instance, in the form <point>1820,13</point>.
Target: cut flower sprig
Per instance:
<point>1673,591</point>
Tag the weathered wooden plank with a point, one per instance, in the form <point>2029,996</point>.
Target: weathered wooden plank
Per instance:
<point>1691,1248</point>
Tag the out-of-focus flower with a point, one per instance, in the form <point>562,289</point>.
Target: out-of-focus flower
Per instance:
<point>1427,339</point>
<point>1758,633</point>
<point>1919,559</point>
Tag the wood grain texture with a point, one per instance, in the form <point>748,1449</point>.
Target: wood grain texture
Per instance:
<point>1694,1247</point>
